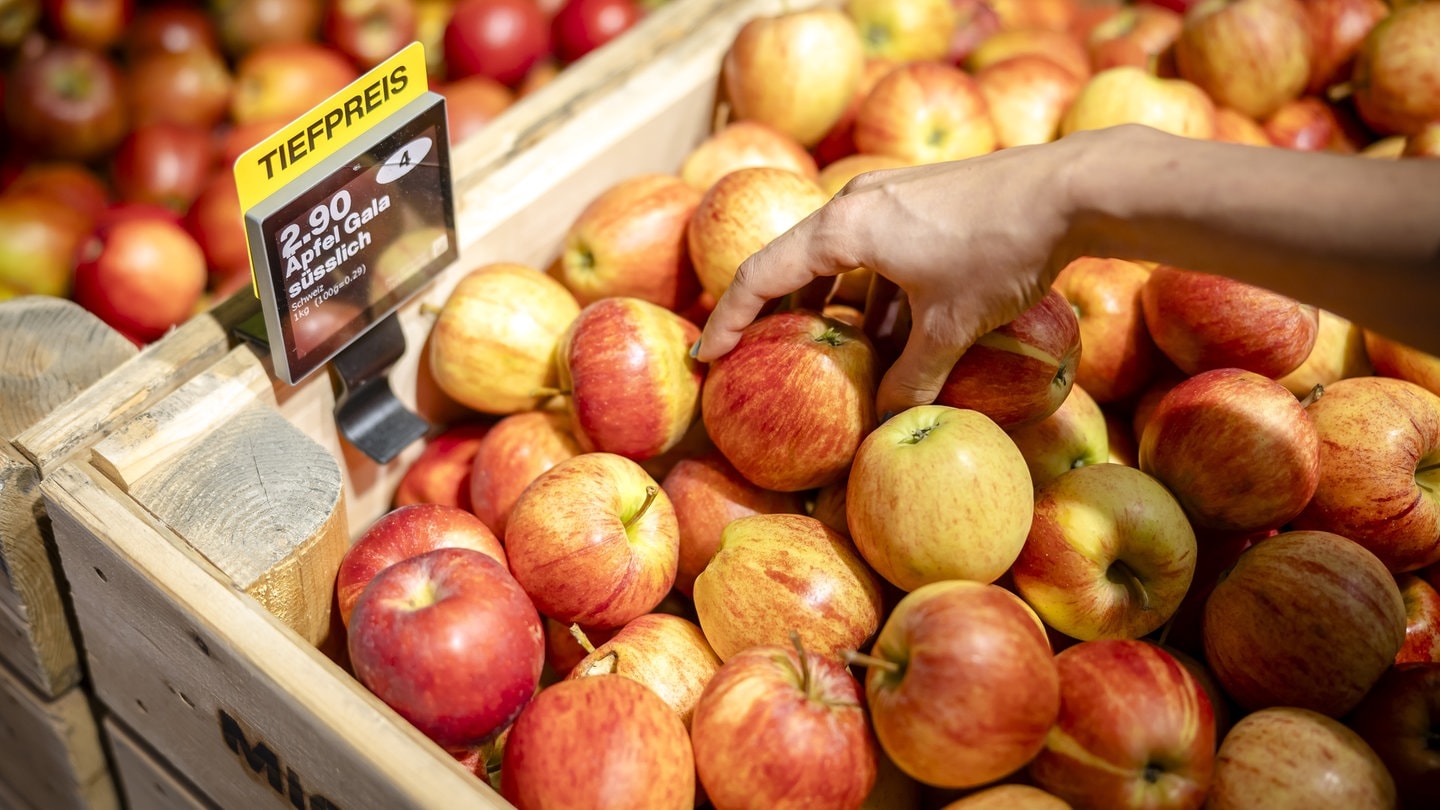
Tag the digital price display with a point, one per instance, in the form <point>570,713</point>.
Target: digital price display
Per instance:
<point>349,213</point>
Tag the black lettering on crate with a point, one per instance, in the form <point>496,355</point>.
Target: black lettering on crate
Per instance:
<point>264,762</point>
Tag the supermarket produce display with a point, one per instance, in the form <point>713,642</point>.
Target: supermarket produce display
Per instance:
<point>1165,540</point>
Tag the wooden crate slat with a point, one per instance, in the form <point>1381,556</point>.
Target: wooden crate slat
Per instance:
<point>145,782</point>
<point>52,757</point>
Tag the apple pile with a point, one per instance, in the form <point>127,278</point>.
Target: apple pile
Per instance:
<point>122,120</point>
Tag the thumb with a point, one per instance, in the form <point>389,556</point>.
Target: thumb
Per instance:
<point>917,375</point>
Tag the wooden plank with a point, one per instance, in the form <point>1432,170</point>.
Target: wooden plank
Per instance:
<point>144,781</point>
<point>221,690</point>
<point>52,757</point>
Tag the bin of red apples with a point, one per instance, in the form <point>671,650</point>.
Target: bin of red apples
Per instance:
<point>1186,555</point>
<point>122,121</point>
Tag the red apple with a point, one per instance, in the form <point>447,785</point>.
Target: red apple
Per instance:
<point>1027,96</point>
<point>839,140</point>
<point>1306,123</point>
<point>905,31</point>
<point>975,21</point>
<point>66,102</point>
<point>1060,47</point>
<point>790,404</point>
<point>75,185</point>
<point>563,647</point>
<point>1136,730</point>
<point>668,654</point>
<point>442,472</point>
<point>1009,796</point>
<point>370,31</point>
<point>1203,321</point>
<point>580,26</point>
<point>245,25</point>
<point>492,346</point>
<point>1294,757</point>
<point>450,641</point>
<point>1399,720</point>
<point>218,225</point>
<point>708,493</point>
<point>1394,359</point>
<point>777,574</point>
<point>740,213</point>
<point>282,80</point>
<point>171,26</point>
<point>1133,95</point>
<point>1141,35</point>
<point>962,686</point>
<point>1237,449</point>
<point>97,24</point>
<point>40,244</point>
<point>1019,373</point>
<point>983,498</point>
<point>743,145</point>
<point>190,87</point>
<point>515,451</point>
<point>402,533</point>
<point>1379,469</point>
<point>1306,619</point>
<point>1339,353</point>
<point>594,541</point>
<point>142,276</point>
<point>1397,89</point>
<point>1337,27</point>
<point>553,751</point>
<point>472,103</point>
<point>1119,357</point>
<point>1215,554</point>
<point>1422,627</point>
<point>1252,55</point>
<point>626,370</point>
<point>631,241</point>
<point>1233,126</point>
<point>501,39</point>
<point>784,728</point>
<point>817,50</point>
<point>1073,436</point>
<point>1424,142</point>
<point>832,179</point>
<point>163,164</point>
<point>925,112</point>
<point>1052,15</point>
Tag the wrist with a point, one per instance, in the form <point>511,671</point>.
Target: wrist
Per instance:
<point>1097,185</point>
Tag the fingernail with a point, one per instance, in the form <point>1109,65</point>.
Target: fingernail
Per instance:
<point>695,349</point>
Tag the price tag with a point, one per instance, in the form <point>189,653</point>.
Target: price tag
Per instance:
<point>349,213</point>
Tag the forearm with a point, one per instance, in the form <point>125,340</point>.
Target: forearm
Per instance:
<point>1355,236</point>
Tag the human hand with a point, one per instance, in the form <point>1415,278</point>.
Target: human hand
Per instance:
<point>972,243</point>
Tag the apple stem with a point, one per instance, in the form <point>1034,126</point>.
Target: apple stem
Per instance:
<point>1340,91</point>
<point>582,639</point>
<point>546,391</point>
<point>804,662</point>
<point>1314,396</point>
<point>650,492</point>
<point>430,310</point>
<point>870,662</point>
<point>1133,583</point>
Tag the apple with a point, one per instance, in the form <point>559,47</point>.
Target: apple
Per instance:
<point>283,80</point>
<point>1011,796</point>
<point>1398,720</point>
<point>442,472</point>
<point>1306,619</point>
<point>906,31</point>
<point>961,683</point>
<point>501,39</point>
<point>631,241</point>
<point>218,225</point>
<point>563,647</point>
<point>790,404</point>
<point>1306,123</point>
<point>1233,126</point>
<point>245,25</point>
<point>1136,730</point>
<point>1215,554</point>
<point>1239,451</point>
<point>1295,758</point>
<point>626,372</point>
<point>1060,47</point>
<point>1252,55</point>
<point>514,452</point>
<point>1110,554</point>
<point>839,140</point>
<point>1143,406</point>
<point>1339,352</point>
<point>975,22</point>
<point>40,244</point>
<point>820,54</point>
<point>97,24</point>
<point>1027,95</point>
<point>604,741</point>
<point>1073,436</point>
<point>1337,28</point>
<point>594,541</point>
<point>66,102</point>
<point>1392,358</point>
<point>1422,628</point>
<point>1119,356</point>
<point>472,103</point>
<point>832,179</point>
<point>1133,95</point>
<point>980,502</point>
<point>405,532</point>
<point>1388,147</point>
<point>777,574</point>
<point>1424,142</point>
<point>369,31</point>
<point>741,213</point>
<point>1203,321</point>
<point>171,26</point>
<point>578,27</point>
<point>450,641</point>
<point>1020,372</point>
<point>1141,35</point>
<point>163,164</point>
<point>141,276</point>
<point>743,145</point>
<point>708,493</point>
<point>75,185</point>
<point>1396,92</point>
<point>492,346</point>
<point>1379,469</point>
<point>191,87</point>
<point>784,728</point>
<point>538,76</point>
<point>668,654</point>
<point>925,112</point>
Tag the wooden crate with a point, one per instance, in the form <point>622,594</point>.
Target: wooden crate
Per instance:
<point>53,757</point>
<point>144,781</point>
<point>225,692</point>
